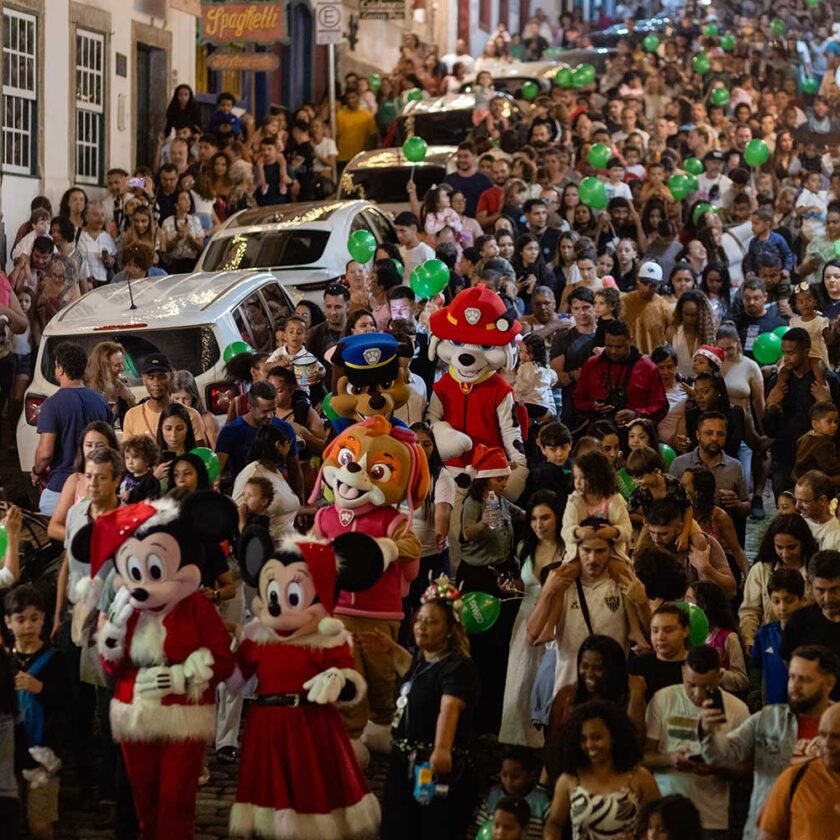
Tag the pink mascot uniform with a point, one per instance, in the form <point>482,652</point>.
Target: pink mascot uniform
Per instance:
<point>299,779</point>
<point>471,403</point>
<point>165,647</point>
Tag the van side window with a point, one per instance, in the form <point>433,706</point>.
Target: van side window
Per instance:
<point>242,325</point>
<point>277,303</point>
<point>379,224</point>
<point>257,318</point>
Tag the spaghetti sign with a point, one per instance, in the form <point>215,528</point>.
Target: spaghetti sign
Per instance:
<point>256,22</point>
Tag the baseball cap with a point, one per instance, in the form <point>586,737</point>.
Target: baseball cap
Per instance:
<point>650,272</point>
<point>714,155</point>
<point>156,364</point>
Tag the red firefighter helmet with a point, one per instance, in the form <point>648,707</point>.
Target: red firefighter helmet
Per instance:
<point>476,316</point>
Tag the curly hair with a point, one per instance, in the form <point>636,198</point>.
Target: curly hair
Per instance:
<point>457,640</point>
<point>144,447</point>
<point>599,474</point>
<point>705,316</point>
<point>626,751</point>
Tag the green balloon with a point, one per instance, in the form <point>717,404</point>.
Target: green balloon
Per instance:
<point>701,64</point>
<point>679,186</point>
<point>812,4</point>
<point>553,52</point>
<point>728,42</point>
<point>530,91</point>
<point>326,406</point>
<point>236,348</point>
<point>698,624</point>
<point>438,274</point>
<point>211,461</point>
<point>693,183</point>
<point>756,153</point>
<point>651,43</point>
<point>4,541</point>
<point>720,96</point>
<point>399,266</point>
<point>583,75</point>
<point>485,832</point>
<point>667,453</point>
<point>780,331</point>
<point>375,82</point>
<point>837,248</point>
<point>700,210</point>
<point>767,349</point>
<point>626,485</point>
<point>563,77</point>
<point>777,26</point>
<point>415,149</point>
<point>711,30</point>
<point>809,85</point>
<point>598,155</point>
<point>479,611</point>
<point>361,245</point>
<point>593,193</point>
<point>694,166</point>
<point>414,95</point>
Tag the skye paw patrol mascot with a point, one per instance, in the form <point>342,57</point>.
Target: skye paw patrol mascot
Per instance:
<point>471,403</point>
<point>371,469</point>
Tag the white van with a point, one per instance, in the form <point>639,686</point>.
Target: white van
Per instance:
<point>190,318</point>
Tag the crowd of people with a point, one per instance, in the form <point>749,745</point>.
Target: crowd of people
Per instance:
<point>646,676</point>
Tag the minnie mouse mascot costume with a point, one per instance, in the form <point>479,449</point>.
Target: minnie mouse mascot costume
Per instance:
<point>164,646</point>
<point>299,778</point>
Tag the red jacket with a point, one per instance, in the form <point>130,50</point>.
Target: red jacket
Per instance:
<point>645,393</point>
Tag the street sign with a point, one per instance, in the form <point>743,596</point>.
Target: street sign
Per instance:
<point>382,9</point>
<point>328,22</point>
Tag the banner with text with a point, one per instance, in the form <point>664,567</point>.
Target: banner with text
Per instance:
<point>256,22</point>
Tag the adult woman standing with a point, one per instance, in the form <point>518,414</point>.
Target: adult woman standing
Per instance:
<point>182,111</point>
<point>96,245</point>
<point>603,787</point>
<point>59,286</point>
<point>222,183</point>
<point>433,724</point>
<point>822,249</point>
<point>783,155</point>
<point>693,324</point>
<point>828,295</point>
<point>266,459</point>
<point>175,436</point>
<point>716,284</point>
<point>568,203</point>
<point>665,359</point>
<point>587,266</point>
<point>680,281</point>
<point>105,365</point>
<point>73,205</point>
<point>565,265</point>
<point>541,547</point>
<point>185,391</point>
<point>294,407</point>
<point>789,543</point>
<point>530,268</point>
<point>141,230</point>
<point>182,236</point>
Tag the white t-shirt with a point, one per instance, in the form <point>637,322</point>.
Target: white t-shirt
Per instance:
<point>325,149</point>
<point>827,534</point>
<point>817,203</point>
<point>738,376</point>
<point>284,506</point>
<point>424,529</point>
<point>671,720</point>
<point>415,256</point>
<point>815,328</point>
<point>92,250</point>
<point>667,427</point>
<point>619,190</point>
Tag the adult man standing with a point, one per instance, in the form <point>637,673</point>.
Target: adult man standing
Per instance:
<point>167,193</point>
<point>819,623</point>
<point>812,496</point>
<point>730,484</point>
<point>536,213</point>
<point>61,421</point>
<point>237,437</point>
<point>620,384</point>
<point>461,55</point>
<point>412,250</point>
<point>466,178</point>
<point>116,180</point>
<point>355,129</point>
<point>647,312</point>
<point>143,419</point>
<point>544,321</point>
<point>791,728</point>
<point>757,316</point>
<point>672,749</point>
<point>490,202</point>
<point>669,636</point>
<point>803,802</point>
<point>330,331</point>
<point>790,395</point>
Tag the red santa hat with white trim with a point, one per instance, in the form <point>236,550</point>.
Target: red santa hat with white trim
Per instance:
<point>488,462</point>
<point>713,354</point>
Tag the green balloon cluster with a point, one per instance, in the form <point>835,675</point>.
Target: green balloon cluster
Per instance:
<point>598,155</point>
<point>361,245</point>
<point>727,42</point>
<point>582,76</point>
<point>479,612</point>
<point>530,91</point>
<point>651,43</point>
<point>701,64</point>
<point>720,97</point>
<point>780,331</point>
<point>414,95</point>
<point>429,278</point>
<point>756,153</point>
<point>210,460</point>
<point>415,149</point>
<point>593,193</point>
<point>767,349</point>
<point>563,78</point>
<point>694,166</point>
<point>698,624</point>
<point>679,186</point>
<point>693,183</point>
<point>236,348</point>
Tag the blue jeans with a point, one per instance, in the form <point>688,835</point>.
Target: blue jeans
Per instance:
<point>48,502</point>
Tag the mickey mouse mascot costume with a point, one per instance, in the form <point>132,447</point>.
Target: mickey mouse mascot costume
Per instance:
<point>299,779</point>
<point>165,647</point>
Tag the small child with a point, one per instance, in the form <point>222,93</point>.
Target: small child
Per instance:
<point>554,441</point>
<point>627,261</point>
<point>141,456</point>
<point>723,634</point>
<point>607,305</point>
<point>640,433</point>
<point>596,494</point>
<point>615,186</point>
<point>40,219</point>
<point>42,687</point>
<point>808,317</point>
<point>816,450</point>
<point>633,159</point>
<point>307,369</point>
<point>224,121</point>
<point>483,92</point>
<point>273,179</point>
<point>280,332</point>
<point>812,206</point>
<point>785,503</point>
<point>257,496</point>
<point>437,213</point>
<point>707,359</point>
<point>511,818</point>
<point>515,782</point>
<point>534,378</point>
<point>786,589</point>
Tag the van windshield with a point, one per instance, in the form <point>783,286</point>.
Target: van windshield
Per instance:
<point>439,128</point>
<point>265,249</point>
<point>191,348</point>
<point>387,186</point>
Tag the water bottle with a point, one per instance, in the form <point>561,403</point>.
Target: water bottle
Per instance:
<point>493,511</point>
<point>425,787</point>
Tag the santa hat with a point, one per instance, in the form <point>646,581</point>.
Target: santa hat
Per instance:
<point>476,316</point>
<point>489,462</point>
<point>713,354</point>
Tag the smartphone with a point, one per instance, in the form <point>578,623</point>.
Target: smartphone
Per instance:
<point>716,696</point>
<point>168,455</point>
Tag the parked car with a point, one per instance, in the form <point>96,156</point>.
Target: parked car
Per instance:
<point>190,318</point>
<point>305,245</point>
<point>445,121</point>
<point>382,176</point>
<point>610,36</point>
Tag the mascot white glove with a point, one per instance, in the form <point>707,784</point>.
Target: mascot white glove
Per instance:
<point>112,632</point>
<point>326,686</point>
<point>154,683</point>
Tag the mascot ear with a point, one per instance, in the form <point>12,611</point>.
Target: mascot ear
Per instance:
<point>211,515</point>
<point>255,548</point>
<point>360,561</point>
<point>80,545</point>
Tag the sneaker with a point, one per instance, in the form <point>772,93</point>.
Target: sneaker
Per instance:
<point>757,511</point>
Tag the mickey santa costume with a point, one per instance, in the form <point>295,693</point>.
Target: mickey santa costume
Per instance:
<point>299,779</point>
<point>165,647</point>
<point>471,403</point>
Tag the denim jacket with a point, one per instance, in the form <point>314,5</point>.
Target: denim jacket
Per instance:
<point>768,737</point>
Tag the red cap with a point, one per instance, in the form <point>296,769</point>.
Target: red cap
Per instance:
<point>489,462</point>
<point>713,354</point>
<point>475,316</point>
<point>112,529</point>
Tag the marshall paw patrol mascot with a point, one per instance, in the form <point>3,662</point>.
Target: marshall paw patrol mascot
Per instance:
<point>472,403</point>
<point>165,647</point>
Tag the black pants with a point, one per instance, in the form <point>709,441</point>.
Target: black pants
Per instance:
<point>9,818</point>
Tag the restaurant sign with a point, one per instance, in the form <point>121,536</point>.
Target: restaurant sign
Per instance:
<point>256,22</point>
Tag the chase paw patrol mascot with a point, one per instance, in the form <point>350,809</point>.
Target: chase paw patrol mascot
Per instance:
<point>471,403</point>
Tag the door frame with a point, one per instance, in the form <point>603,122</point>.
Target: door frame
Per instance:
<point>161,39</point>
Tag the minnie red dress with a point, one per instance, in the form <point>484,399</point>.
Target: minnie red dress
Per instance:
<point>299,778</point>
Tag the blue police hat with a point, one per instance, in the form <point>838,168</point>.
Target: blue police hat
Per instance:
<point>368,351</point>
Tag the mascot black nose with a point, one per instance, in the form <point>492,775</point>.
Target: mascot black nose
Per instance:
<point>140,595</point>
<point>377,401</point>
<point>466,359</point>
<point>353,467</point>
<point>274,610</point>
